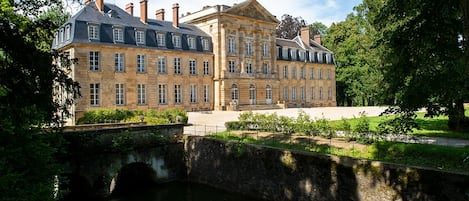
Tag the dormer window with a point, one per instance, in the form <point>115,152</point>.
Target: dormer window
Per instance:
<point>302,56</point>
<point>118,35</point>
<point>140,37</point>
<point>205,44</point>
<point>285,53</point>
<point>93,32</point>
<point>67,32</point>
<point>160,38</point>
<point>177,41</point>
<point>191,42</point>
<point>293,54</point>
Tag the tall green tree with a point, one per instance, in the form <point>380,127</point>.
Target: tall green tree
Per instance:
<point>426,59</point>
<point>289,26</point>
<point>27,80</point>
<point>359,81</point>
<point>318,28</point>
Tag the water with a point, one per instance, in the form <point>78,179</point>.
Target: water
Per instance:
<point>178,191</point>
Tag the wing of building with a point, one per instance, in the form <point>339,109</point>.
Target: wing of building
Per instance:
<point>219,58</point>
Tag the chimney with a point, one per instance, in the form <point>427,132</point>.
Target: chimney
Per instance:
<point>176,15</point>
<point>143,11</point>
<point>100,5</point>
<point>160,14</point>
<point>129,8</point>
<point>305,34</point>
<point>317,38</point>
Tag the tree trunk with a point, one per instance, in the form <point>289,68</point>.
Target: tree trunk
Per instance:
<point>456,118</point>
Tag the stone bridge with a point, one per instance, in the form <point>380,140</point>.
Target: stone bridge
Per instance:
<point>134,156</point>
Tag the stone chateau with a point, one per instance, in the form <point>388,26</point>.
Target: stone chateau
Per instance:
<point>219,58</point>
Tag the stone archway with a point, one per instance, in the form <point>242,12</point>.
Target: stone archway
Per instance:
<point>133,176</point>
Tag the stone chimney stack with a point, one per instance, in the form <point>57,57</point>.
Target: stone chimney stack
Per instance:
<point>143,11</point>
<point>129,8</point>
<point>160,14</point>
<point>305,34</point>
<point>317,38</point>
<point>100,5</point>
<point>176,15</point>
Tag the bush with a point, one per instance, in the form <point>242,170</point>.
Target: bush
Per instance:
<point>233,125</point>
<point>104,116</point>
<point>152,117</point>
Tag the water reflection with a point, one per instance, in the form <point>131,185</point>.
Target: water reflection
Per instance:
<point>178,191</point>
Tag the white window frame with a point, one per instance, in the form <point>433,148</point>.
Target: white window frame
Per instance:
<point>205,44</point>
<point>293,93</point>
<point>249,51</point>
<point>329,93</point>
<point>68,32</point>
<point>118,34</point>
<point>141,94</point>
<point>320,93</point>
<point>119,62</point>
<point>191,42</point>
<point>302,93</point>
<point>192,67</point>
<point>312,74</point>
<point>177,66</point>
<point>141,63</point>
<point>231,66</point>
<point>120,94</point>
<point>293,73</point>
<point>94,63</point>
<point>206,68</point>
<point>206,93</point>
<point>234,93</point>
<point>265,68</point>
<point>312,93</point>
<point>302,72</point>
<point>162,94</point>
<point>265,48</point>
<point>285,93</point>
<point>93,32</point>
<point>161,65</point>
<point>140,37</point>
<point>95,94</point>
<point>177,94</point>
<point>161,39</point>
<point>176,41</point>
<point>231,46</point>
<point>193,93</point>
<point>285,72</point>
<point>249,67</point>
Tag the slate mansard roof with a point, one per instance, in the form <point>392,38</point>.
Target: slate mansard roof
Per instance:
<point>113,16</point>
<point>297,50</point>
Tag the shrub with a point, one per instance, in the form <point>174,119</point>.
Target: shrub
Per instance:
<point>105,115</point>
<point>233,125</point>
<point>303,123</point>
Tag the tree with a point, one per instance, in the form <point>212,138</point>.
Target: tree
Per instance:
<point>289,27</point>
<point>426,57</point>
<point>358,78</point>
<point>27,80</point>
<point>318,28</point>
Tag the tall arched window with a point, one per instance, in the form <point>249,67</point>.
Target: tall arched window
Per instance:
<point>234,93</point>
<point>268,95</point>
<point>252,94</point>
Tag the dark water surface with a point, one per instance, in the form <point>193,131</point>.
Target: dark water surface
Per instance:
<point>178,191</point>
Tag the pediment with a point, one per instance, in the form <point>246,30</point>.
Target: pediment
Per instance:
<point>252,9</point>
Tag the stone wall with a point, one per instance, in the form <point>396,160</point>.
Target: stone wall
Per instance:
<point>276,174</point>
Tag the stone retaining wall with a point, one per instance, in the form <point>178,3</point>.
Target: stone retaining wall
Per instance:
<point>275,174</point>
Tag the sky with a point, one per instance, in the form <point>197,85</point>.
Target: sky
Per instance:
<point>325,11</point>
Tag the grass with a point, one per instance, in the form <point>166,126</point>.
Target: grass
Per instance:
<point>432,127</point>
<point>423,155</point>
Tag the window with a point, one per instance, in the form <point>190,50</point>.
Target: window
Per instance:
<point>141,94</point>
<point>265,49</point>
<point>249,48</point>
<point>177,66</point>
<point>93,32</point>
<point>293,93</point>
<point>205,44</point>
<point>118,35</point>
<point>61,35</point>
<point>140,63</point>
<point>177,41</point>
<point>191,42</point>
<point>234,93</point>
<point>119,62</point>
<point>67,32</point>
<point>192,67</point>
<point>302,93</point>
<point>285,53</point>
<point>206,68</point>
<point>140,37</point>
<point>252,94</point>
<point>302,73</point>
<point>94,61</point>
<point>193,94</point>
<point>265,68</point>
<point>249,67</point>
<point>324,57</point>
<point>293,54</point>
<point>177,94</point>
<point>231,66</point>
<point>161,64</point>
<point>285,72</point>
<point>231,46</point>
<point>316,59</point>
<point>268,93</point>
<point>320,93</point>
<point>206,93</point>
<point>302,55</point>
<point>94,94</point>
<point>120,97</point>
<point>162,94</point>
<point>160,38</point>
<point>320,73</point>
<point>311,75</point>
<point>329,74</point>
<point>329,93</point>
<point>285,93</point>
<point>293,73</point>
<point>312,93</point>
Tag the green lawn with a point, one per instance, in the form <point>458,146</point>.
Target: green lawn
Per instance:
<point>435,127</point>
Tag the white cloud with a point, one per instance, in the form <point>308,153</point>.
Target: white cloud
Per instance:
<point>325,11</point>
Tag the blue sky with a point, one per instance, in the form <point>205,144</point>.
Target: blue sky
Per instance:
<point>325,11</point>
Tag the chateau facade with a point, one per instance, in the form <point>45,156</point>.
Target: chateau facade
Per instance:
<point>218,58</point>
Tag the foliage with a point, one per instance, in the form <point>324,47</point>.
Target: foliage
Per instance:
<point>304,123</point>
<point>289,27</point>
<point>104,116</point>
<point>28,79</point>
<point>426,57</point>
<point>123,142</point>
<point>318,28</point>
<point>359,81</point>
<point>402,122</point>
<point>234,125</point>
<point>363,125</point>
<point>152,117</point>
